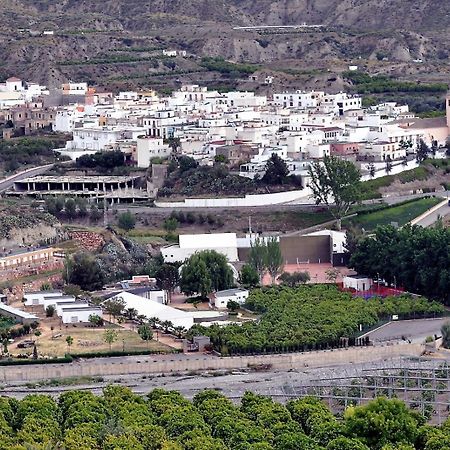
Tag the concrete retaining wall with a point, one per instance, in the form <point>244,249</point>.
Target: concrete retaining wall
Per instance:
<point>249,200</point>
<point>144,365</point>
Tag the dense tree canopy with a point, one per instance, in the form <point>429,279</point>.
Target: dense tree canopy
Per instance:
<point>415,258</point>
<point>83,270</point>
<point>308,317</point>
<point>205,272</point>
<point>165,420</point>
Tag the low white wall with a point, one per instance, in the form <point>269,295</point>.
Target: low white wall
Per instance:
<point>249,200</point>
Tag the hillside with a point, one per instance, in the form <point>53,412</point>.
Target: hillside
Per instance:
<point>118,43</point>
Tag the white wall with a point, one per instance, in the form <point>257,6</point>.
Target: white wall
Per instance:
<point>80,316</point>
<point>248,200</point>
<point>37,298</point>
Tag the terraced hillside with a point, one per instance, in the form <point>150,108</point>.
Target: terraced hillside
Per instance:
<point>118,42</point>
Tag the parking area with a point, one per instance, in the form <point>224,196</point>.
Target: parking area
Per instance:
<point>412,330</point>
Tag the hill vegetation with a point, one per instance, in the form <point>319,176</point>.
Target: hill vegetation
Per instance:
<point>165,420</point>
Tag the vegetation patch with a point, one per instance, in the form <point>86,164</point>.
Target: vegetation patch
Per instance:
<point>165,420</point>
<point>308,317</point>
<point>29,151</point>
<point>378,84</point>
<point>400,213</point>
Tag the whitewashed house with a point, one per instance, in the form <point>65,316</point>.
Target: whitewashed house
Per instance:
<point>220,299</point>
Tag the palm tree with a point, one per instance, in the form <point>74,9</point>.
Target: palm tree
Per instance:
<point>167,324</point>
<point>180,332</point>
<point>153,321</point>
<point>131,313</point>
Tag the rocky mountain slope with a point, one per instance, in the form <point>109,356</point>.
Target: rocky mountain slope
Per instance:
<point>116,42</point>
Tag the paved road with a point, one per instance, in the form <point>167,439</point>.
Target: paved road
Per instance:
<point>5,185</point>
<point>442,212</point>
<point>414,330</point>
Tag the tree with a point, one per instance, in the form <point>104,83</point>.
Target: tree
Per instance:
<point>46,286</point>
<point>95,214</point>
<point>337,184</point>
<point>445,331</point>
<point>409,251</point>
<point>126,221</point>
<point>145,332</point>
<point>233,306</point>
<point>204,272</point>
<point>110,336</point>
<point>69,341</point>
<point>114,306</point>
<point>249,276</point>
<point>50,311</point>
<point>294,279</point>
<point>70,208</point>
<point>390,423</point>
<point>221,159</point>
<point>82,206</point>
<point>96,320</point>
<point>186,163</point>
<point>276,171</point>
<point>83,270</point>
<point>332,274</point>
<point>388,166</point>
<point>170,224</point>
<point>274,258</point>
<point>422,151</point>
<point>371,169</point>
<point>258,257</point>
<point>168,278</point>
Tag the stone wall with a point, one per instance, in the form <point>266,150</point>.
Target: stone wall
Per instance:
<point>141,365</point>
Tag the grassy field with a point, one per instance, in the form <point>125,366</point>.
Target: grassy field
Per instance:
<point>86,340</point>
<point>402,214</point>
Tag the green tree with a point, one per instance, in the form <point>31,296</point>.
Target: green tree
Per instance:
<point>233,306</point>
<point>145,332</point>
<point>70,208</point>
<point>46,286</point>
<point>258,257</point>
<point>276,171</point>
<point>126,221</point>
<point>204,272</point>
<point>248,276</point>
<point>344,443</point>
<point>50,311</point>
<point>110,336</point>
<point>69,342</point>
<point>274,261</point>
<point>294,279</point>
<point>382,422</point>
<point>95,214</point>
<point>170,225</point>
<point>96,320</point>
<point>168,277</point>
<point>409,251</point>
<point>83,270</point>
<point>336,183</point>
<point>114,306</point>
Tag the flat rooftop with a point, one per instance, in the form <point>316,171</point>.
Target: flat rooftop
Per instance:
<point>78,179</point>
<point>17,312</point>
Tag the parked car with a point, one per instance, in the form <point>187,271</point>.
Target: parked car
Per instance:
<point>26,344</point>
